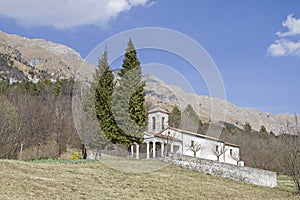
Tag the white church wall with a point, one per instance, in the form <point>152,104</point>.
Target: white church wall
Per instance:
<point>206,150</point>
<point>172,133</point>
<point>207,146</point>
<point>177,145</point>
<point>232,154</point>
<point>177,148</point>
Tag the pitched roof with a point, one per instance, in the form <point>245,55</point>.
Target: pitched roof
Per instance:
<point>230,144</point>
<point>162,136</point>
<point>166,137</point>
<point>158,109</point>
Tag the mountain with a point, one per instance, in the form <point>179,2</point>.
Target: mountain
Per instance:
<point>39,59</point>
<point>213,109</point>
<point>34,59</point>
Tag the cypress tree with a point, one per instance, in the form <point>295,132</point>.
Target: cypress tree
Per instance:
<point>175,117</point>
<point>130,60</point>
<point>128,99</point>
<point>104,87</point>
<point>190,120</point>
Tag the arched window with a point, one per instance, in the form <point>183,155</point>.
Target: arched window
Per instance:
<point>153,123</point>
<point>163,123</point>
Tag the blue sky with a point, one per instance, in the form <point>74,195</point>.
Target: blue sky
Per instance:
<point>255,44</point>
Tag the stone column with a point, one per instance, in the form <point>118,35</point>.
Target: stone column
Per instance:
<point>154,150</point>
<point>162,149</point>
<point>131,151</point>
<point>147,150</point>
<point>172,148</point>
<point>137,151</point>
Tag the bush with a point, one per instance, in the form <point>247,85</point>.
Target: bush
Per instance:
<point>75,156</point>
<point>247,127</point>
<point>46,151</point>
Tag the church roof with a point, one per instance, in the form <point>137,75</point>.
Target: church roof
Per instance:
<point>166,137</point>
<point>158,109</point>
<point>203,136</point>
<point>230,144</point>
<point>159,135</point>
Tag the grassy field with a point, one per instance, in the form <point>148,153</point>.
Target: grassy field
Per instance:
<point>111,179</point>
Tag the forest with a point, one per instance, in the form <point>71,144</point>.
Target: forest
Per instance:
<point>36,119</point>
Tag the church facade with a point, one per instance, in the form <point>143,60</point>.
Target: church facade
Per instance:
<point>162,140</point>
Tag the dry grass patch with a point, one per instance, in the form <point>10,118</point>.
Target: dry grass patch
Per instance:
<point>95,180</point>
<point>286,183</point>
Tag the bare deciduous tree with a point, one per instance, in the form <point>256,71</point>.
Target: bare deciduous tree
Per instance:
<point>218,151</point>
<point>42,119</point>
<point>86,121</point>
<point>291,148</point>
<point>8,128</point>
<point>195,147</point>
<point>235,156</point>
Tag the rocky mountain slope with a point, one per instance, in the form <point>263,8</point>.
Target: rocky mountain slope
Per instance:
<point>214,109</point>
<point>38,58</point>
<point>22,58</point>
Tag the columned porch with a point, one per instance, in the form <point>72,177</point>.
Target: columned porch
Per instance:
<point>151,149</point>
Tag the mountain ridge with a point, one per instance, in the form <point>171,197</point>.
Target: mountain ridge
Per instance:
<point>213,109</point>
<point>38,58</point>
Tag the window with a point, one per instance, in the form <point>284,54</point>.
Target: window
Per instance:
<point>192,143</point>
<point>217,148</point>
<point>176,149</point>
<point>163,123</point>
<point>153,123</point>
<point>230,151</point>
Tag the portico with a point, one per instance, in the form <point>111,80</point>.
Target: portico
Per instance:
<point>154,145</point>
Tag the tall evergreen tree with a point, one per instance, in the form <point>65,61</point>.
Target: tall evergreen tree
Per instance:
<point>175,117</point>
<point>130,60</point>
<point>128,99</point>
<point>190,120</point>
<point>104,87</point>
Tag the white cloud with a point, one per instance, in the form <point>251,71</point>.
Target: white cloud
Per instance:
<point>287,45</point>
<point>66,13</point>
<point>293,26</point>
<point>284,47</point>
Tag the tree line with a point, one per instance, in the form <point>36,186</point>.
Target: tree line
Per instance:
<point>36,119</point>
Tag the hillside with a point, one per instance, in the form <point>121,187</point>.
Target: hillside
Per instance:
<point>38,58</point>
<point>95,180</point>
<point>160,93</point>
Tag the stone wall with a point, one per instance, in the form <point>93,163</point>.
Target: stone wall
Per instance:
<point>238,173</point>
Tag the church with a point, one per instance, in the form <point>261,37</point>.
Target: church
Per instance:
<point>162,140</point>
